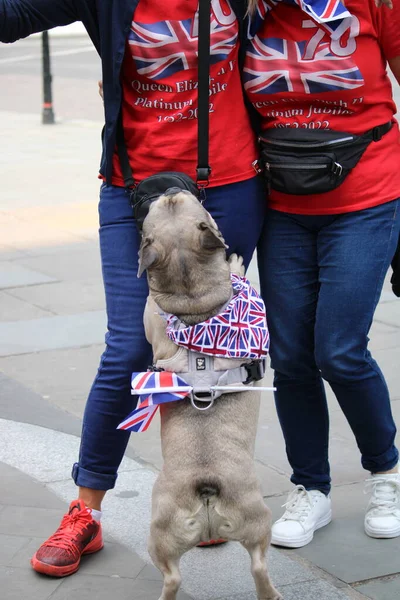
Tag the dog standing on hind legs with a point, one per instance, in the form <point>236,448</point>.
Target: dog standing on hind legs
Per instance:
<point>207,488</point>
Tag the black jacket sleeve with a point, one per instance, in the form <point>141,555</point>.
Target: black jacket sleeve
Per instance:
<point>395,280</point>
<point>20,18</point>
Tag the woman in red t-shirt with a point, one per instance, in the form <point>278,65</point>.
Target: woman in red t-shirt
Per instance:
<point>323,257</point>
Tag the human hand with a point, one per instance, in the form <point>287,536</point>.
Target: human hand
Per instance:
<point>387,3</point>
<point>101,90</point>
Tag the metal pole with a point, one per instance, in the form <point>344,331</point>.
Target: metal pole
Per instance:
<point>47,114</point>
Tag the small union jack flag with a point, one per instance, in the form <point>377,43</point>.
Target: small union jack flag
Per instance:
<point>275,65</point>
<point>152,388</point>
<point>239,331</point>
<point>164,48</point>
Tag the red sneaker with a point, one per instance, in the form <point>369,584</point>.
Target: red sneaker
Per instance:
<point>78,534</point>
<point>211,543</point>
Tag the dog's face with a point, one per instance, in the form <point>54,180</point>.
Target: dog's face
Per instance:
<point>178,235</point>
<point>184,255</point>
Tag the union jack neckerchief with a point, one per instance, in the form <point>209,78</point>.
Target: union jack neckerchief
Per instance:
<point>332,15</point>
<point>239,331</point>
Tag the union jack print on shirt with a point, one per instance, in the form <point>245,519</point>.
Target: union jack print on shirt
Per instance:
<point>164,48</point>
<point>275,65</point>
<point>153,385</point>
<point>332,15</point>
<point>239,331</point>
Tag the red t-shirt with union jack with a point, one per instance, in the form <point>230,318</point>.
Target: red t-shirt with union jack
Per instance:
<point>298,75</point>
<point>159,78</point>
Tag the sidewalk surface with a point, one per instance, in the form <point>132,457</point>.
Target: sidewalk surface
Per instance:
<point>52,326</point>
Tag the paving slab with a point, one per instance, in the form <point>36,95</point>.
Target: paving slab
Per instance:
<point>13,275</point>
<point>14,491</point>
<point>381,589</point>
<point>103,588</point>
<point>9,547</point>
<point>307,590</point>
<point>389,313</point>
<point>19,403</point>
<point>16,585</point>
<point>9,252</point>
<point>24,237</point>
<point>62,377</point>
<point>75,266</point>
<point>63,298</point>
<point>14,309</point>
<point>28,521</point>
<point>24,337</point>
<point>272,482</point>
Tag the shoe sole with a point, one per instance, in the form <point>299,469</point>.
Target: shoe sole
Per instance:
<point>382,535</point>
<point>53,571</point>
<point>211,543</point>
<point>306,539</point>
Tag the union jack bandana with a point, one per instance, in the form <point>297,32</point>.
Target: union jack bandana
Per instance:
<point>331,14</point>
<point>155,386</point>
<point>239,331</point>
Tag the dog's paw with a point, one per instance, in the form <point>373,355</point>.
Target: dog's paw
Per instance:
<point>236,265</point>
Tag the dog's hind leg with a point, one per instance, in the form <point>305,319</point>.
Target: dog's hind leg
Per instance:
<point>264,587</point>
<point>168,564</point>
<point>255,537</point>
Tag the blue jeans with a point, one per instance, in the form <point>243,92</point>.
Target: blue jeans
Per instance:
<point>321,278</point>
<point>239,210</point>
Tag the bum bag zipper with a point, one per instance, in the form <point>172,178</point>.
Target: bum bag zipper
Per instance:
<point>336,167</point>
<point>269,166</point>
<point>306,144</point>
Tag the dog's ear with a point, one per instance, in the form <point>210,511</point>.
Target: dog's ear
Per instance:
<point>211,238</point>
<point>147,255</point>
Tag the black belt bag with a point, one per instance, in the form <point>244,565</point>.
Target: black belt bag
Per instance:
<point>151,188</point>
<point>312,161</point>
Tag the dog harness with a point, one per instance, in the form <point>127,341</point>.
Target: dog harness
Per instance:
<point>226,351</point>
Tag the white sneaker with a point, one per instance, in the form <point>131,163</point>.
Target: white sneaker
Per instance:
<point>306,511</point>
<point>382,519</point>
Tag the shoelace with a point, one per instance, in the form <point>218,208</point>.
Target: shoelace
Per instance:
<point>71,525</point>
<point>385,494</point>
<point>298,504</point>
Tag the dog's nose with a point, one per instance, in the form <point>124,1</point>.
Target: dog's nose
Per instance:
<point>172,191</point>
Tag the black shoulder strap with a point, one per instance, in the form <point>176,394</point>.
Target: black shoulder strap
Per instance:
<point>203,169</point>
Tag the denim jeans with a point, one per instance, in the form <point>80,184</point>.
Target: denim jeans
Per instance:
<point>239,210</point>
<point>321,279</point>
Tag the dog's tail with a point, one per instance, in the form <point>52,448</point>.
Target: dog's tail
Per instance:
<point>207,488</point>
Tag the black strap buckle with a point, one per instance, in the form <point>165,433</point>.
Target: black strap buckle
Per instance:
<point>379,131</point>
<point>203,174</point>
<point>255,370</point>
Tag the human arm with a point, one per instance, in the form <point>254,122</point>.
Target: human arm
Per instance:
<point>20,18</point>
<point>394,64</point>
<point>388,3</point>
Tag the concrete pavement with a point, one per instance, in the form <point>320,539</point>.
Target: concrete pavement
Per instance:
<point>52,325</point>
